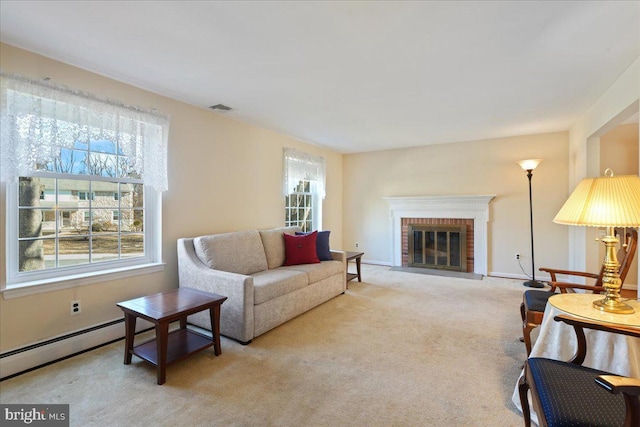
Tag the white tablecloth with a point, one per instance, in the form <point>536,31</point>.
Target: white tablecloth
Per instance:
<point>615,353</point>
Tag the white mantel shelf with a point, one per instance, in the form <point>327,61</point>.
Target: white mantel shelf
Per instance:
<point>474,207</point>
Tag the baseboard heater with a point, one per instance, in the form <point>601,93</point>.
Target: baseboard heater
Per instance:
<point>34,356</point>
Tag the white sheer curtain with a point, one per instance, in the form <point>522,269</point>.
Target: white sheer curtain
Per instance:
<point>299,166</point>
<point>40,118</point>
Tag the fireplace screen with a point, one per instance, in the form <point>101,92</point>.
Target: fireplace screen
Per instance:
<point>438,246</point>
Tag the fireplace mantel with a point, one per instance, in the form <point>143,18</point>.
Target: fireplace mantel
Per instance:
<point>474,207</point>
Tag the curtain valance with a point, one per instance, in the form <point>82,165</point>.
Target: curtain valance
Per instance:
<point>299,166</point>
<point>39,119</point>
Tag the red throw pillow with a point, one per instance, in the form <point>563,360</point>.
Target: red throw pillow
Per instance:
<point>300,249</point>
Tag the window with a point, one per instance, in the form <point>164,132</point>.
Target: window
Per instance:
<point>85,195</point>
<point>83,189</point>
<point>299,207</point>
<point>304,183</point>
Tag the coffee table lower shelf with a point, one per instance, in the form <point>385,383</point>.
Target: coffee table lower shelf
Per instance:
<point>180,344</point>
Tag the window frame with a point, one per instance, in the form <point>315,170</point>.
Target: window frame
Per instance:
<point>43,106</point>
<point>32,282</point>
<point>316,205</point>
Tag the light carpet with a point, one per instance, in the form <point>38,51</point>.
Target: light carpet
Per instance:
<point>398,349</point>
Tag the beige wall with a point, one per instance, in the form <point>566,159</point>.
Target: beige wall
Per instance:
<point>223,175</point>
<point>467,168</point>
<point>619,150</point>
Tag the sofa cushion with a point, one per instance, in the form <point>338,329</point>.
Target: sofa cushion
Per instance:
<point>322,245</point>
<point>318,272</point>
<point>271,284</point>
<point>301,249</point>
<point>273,242</point>
<point>238,252</point>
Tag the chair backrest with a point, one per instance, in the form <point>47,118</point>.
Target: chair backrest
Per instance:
<point>628,247</point>
<point>627,252</point>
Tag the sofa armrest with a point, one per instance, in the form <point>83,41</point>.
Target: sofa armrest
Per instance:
<point>339,256</point>
<point>236,315</point>
<point>342,257</point>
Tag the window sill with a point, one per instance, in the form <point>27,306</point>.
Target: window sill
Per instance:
<point>50,285</point>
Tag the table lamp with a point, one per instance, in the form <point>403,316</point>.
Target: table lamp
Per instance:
<point>609,201</point>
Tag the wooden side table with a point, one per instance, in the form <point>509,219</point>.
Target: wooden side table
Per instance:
<point>161,310</point>
<point>357,257</point>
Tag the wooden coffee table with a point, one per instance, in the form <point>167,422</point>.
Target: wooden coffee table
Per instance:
<point>161,310</point>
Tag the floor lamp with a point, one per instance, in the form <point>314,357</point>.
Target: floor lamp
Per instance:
<point>609,201</point>
<point>529,166</point>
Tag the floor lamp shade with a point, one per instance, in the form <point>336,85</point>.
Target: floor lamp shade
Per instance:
<point>609,201</point>
<point>529,164</point>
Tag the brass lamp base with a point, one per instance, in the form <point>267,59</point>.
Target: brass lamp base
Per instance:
<point>613,306</point>
<point>611,279</point>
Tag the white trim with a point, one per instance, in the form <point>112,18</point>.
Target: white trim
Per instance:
<point>21,284</point>
<point>37,356</point>
<point>48,285</point>
<point>461,207</point>
<point>545,277</point>
<point>383,263</point>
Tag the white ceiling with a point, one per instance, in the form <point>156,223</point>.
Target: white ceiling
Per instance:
<point>352,76</point>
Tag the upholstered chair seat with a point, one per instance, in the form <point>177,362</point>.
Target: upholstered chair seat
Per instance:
<point>537,300</point>
<point>569,395</point>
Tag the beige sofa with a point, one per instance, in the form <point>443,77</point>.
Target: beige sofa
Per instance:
<point>247,268</point>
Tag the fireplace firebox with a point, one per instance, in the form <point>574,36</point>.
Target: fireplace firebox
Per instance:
<point>438,246</point>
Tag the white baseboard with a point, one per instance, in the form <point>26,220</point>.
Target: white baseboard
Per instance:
<point>629,286</point>
<point>542,277</point>
<point>516,276</point>
<point>38,354</point>
<point>383,263</point>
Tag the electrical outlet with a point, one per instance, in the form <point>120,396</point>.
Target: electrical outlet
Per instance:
<point>76,308</point>
<point>357,245</point>
<point>517,255</point>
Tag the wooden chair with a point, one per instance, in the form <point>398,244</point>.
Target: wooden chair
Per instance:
<point>569,394</point>
<point>535,301</point>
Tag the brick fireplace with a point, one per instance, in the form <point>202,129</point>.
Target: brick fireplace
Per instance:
<point>472,211</point>
<point>467,246</point>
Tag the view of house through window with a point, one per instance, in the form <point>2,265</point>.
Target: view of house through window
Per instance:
<point>86,206</point>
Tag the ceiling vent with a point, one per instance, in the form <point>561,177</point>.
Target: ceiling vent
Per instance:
<point>220,107</point>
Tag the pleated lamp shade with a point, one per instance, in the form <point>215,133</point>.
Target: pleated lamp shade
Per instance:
<point>609,201</point>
